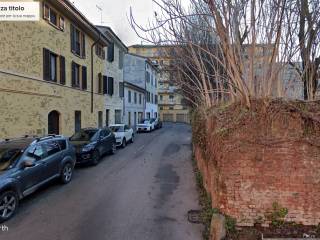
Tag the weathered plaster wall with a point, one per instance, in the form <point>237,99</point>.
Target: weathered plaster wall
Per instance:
<point>25,103</point>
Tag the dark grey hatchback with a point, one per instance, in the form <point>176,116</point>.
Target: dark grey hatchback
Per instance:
<point>28,163</point>
<point>92,143</point>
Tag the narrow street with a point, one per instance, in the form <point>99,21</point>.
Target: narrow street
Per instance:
<point>142,192</point>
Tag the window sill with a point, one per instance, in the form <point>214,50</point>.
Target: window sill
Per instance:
<point>77,55</point>
<point>53,25</point>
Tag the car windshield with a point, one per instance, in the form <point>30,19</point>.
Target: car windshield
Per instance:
<point>85,135</point>
<point>8,157</point>
<point>146,121</point>
<point>117,128</point>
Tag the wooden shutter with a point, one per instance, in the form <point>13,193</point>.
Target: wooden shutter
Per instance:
<point>121,90</point>
<point>110,86</point>
<point>83,47</point>
<point>111,52</point>
<point>73,74</point>
<point>62,70</point>
<point>72,38</point>
<point>105,85</point>
<point>46,64</point>
<point>84,78</point>
<point>46,11</point>
<point>61,23</point>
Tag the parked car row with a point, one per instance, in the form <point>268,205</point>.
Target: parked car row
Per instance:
<point>148,125</point>
<point>28,163</point>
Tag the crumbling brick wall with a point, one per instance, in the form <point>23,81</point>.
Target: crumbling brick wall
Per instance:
<point>255,165</point>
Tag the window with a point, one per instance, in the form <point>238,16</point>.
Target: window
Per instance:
<point>151,97</point>
<point>161,97</point>
<point>84,78</point>
<point>62,70</point>
<point>156,99</point>
<point>50,67</point>
<point>53,67</point>
<point>101,79</point>
<point>111,52</point>
<point>129,118</point>
<point>53,17</point>
<point>107,116</point>
<point>171,97</point>
<point>147,77</point>
<point>75,75</point>
<point>51,147</point>
<point>100,52</point>
<point>77,121</point>
<point>100,119</point>
<point>140,98</point>
<point>108,85</point>
<point>170,108</point>
<point>121,90</point>
<point>117,116</point>
<point>129,96</point>
<point>62,144</point>
<point>78,42</point>
<point>36,152</point>
<point>135,97</point>
<point>148,96</point>
<point>120,59</point>
<point>161,108</point>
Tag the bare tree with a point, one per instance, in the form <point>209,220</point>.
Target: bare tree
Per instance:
<point>226,50</point>
<point>309,43</point>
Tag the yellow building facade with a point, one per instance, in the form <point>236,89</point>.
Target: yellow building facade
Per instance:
<point>45,73</point>
<point>170,102</point>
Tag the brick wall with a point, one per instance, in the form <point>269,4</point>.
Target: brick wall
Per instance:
<point>253,167</point>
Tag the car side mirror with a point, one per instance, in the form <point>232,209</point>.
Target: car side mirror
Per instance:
<point>29,163</point>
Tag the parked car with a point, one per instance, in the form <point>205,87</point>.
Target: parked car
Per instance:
<point>157,123</point>
<point>92,143</point>
<point>123,134</point>
<point>146,125</point>
<point>28,163</point>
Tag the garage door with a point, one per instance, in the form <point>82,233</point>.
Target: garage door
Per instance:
<point>167,117</point>
<point>183,118</point>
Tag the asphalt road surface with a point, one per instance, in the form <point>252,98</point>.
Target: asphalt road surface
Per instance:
<point>143,192</point>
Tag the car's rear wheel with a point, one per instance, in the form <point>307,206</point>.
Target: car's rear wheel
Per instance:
<point>95,157</point>
<point>66,173</point>
<point>124,143</point>
<point>132,138</point>
<point>9,202</point>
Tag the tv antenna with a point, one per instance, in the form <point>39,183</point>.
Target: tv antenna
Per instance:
<point>101,11</point>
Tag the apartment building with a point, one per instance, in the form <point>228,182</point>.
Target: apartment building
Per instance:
<point>51,75</point>
<point>135,104</point>
<point>141,72</point>
<point>171,104</point>
<point>113,79</point>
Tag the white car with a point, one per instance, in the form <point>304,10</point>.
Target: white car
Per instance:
<point>123,134</point>
<point>146,125</point>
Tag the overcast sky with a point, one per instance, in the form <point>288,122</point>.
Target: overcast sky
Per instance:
<point>115,15</point>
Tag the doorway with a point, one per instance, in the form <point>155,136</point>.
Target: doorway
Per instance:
<point>53,122</point>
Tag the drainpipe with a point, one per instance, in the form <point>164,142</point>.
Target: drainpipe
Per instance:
<point>92,46</point>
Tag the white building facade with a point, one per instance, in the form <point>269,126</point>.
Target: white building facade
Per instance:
<point>141,72</point>
<point>113,79</point>
<point>134,104</point>
<point>151,91</point>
